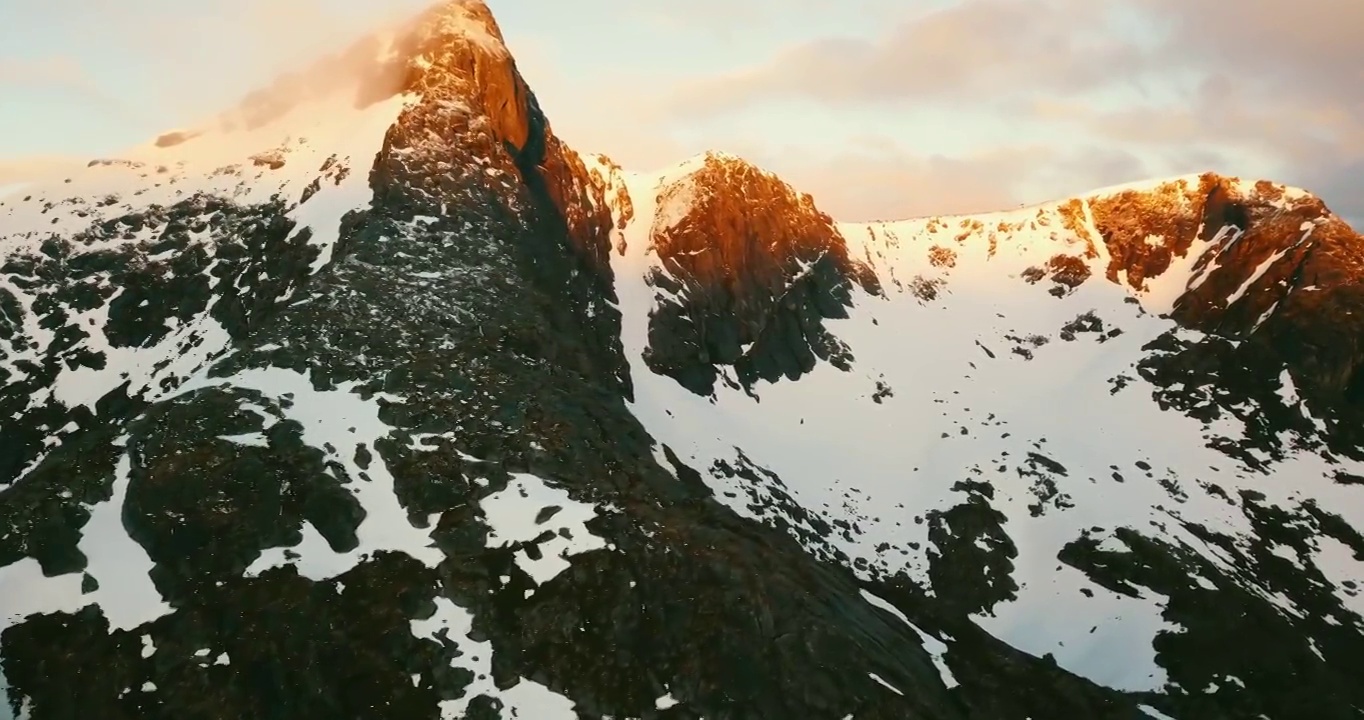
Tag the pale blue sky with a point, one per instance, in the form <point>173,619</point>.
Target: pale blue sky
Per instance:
<point>875,109</point>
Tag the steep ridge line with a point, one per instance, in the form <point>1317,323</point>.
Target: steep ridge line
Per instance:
<point>371,489</point>
<point>1217,254</point>
<point>445,433</point>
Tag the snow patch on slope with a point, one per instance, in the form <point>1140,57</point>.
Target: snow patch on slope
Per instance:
<point>126,595</point>
<point>526,699</point>
<point>246,165</point>
<point>937,649</point>
<point>343,420</point>
<point>457,20</point>
<point>316,157</point>
<point>982,381</point>
<point>514,514</point>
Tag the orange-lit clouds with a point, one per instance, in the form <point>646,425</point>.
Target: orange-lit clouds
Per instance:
<point>191,59</point>
<point>30,169</point>
<point>877,179</point>
<point>1263,86</point>
<point>974,51</point>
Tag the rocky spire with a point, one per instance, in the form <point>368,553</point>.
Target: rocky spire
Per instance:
<point>455,53</point>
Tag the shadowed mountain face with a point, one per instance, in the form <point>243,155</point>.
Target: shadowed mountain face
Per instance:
<point>379,401</point>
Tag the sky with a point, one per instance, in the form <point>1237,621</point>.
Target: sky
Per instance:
<point>879,108</point>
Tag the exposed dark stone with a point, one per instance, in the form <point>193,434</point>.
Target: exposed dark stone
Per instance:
<point>1283,276</point>
<point>510,364</point>
<point>996,680</point>
<point>972,564</point>
<point>1289,664</point>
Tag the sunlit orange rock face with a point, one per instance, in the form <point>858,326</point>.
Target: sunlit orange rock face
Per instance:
<point>476,122</point>
<point>1260,234</point>
<point>750,269</point>
<point>461,58</point>
<point>463,61</point>
<point>1272,268</point>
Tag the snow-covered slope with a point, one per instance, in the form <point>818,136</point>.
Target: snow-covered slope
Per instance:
<point>126,281</point>
<point>302,161</point>
<point>371,398</point>
<point>997,444</point>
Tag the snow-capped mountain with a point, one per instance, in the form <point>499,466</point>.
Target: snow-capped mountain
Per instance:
<point>372,399</point>
<point>1117,431</point>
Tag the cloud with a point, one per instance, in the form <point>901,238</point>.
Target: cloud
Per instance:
<point>1311,46</point>
<point>1261,87</point>
<point>978,104</point>
<point>55,72</point>
<point>866,184</point>
<point>876,178</point>
<point>42,71</point>
<point>975,48</point>
<point>978,50</point>
<point>1342,185</point>
<point>15,171</point>
<point>191,59</point>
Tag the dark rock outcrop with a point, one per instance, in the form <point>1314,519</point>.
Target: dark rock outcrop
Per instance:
<point>749,270</point>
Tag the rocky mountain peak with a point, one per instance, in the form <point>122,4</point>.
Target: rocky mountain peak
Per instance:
<point>455,53</point>
<point>1148,227</point>
<point>1252,261</point>
<point>385,405</point>
<point>715,181</point>
<point>463,20</point>
<point>748,270</point>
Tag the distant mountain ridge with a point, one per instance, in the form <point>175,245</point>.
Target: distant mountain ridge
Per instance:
<point>381,401</point>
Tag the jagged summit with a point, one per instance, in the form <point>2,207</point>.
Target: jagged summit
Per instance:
<point>382,402</point>
<point>695,185</point>
<point>463,20</point>
<point>454,47</point>
<point>1212,177</point>
<point>706,158</point>
<point>1216,253</point>
<point>747,269</point>
<point>455,43</point>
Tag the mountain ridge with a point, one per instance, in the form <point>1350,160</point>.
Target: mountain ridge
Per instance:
<point>1162,239</point>
<point>406,409</point>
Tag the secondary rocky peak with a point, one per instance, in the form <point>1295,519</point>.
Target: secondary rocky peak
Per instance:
<point>723,202</point>
<point>1149,228</point>
<point>748,270</point>
<point>1238,248</point>
<point>1268,271</point>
